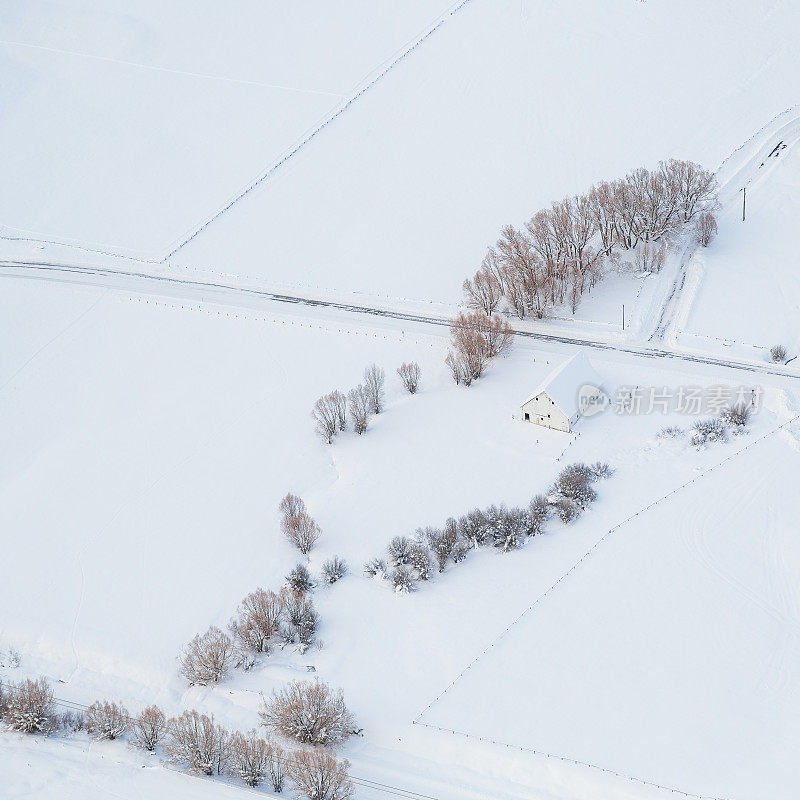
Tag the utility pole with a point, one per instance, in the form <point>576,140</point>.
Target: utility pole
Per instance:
<point>744,201</point>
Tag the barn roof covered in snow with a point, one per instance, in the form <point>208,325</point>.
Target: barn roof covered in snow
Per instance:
<point>564,382</point>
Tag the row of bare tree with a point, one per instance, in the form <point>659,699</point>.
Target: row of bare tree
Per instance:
<point>563,250</point>
<point>308,712</point>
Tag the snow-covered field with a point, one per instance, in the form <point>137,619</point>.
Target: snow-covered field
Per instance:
<point>149,429</point>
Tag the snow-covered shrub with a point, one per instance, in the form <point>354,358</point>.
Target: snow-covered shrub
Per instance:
<point>400,551</point>
<point>420,561</point>
<point>460,551</point>
<point>472,527</point>
<point>301,619</point>
<point>360,404</point>
<point>9,658</point>
<point>334,569</point>
<point>778,354</point>
<point>706,228</point>
<point>195,740</point>
<point>299,579</point>
<point>251,757</point>
<point>72,721</point>
<point>402,579</point>
<point>148,728</point>
<point>107,720</point>
<point>736,417</point>
<point>309,712</point>
<point>601,470</point>
<point>567,509</point>
<point>374,381</point>
<point>257,620</point>
<point>575,483</point>
<point>538,512</point>
<point>206,658</point>
<point>708,431</point>
<point>29,706</point>
<point>670,432</point>
<point>319,776</point>
<point>442,542</point>
<point>301,530</point>
<point>376,567</point>
<point>326,417</point>
<point>410,375</point>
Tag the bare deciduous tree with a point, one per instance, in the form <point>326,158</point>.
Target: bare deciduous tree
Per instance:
<point>778,354</point>
<point>649,257</point>
<point>250,757</point>
<point>410,375</point>
<point>326,416</point>
<point>107,720</point>
<point>299,579</point>
<point>258,619</point>
<point>300,618</point>
<point>359,407</point>
<point>319,776</point>
<point>706,228</point>
<point>206,658</point>
<point>309,712</point>
<point>338,402</point>
<point>148,728</point>
<point>195,740</point>
<point>302,531</point>
<point>374,382</point>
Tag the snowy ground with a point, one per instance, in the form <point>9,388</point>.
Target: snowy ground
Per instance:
<point>166,432</point>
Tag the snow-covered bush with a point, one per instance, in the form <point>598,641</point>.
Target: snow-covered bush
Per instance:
<point>148,728</point>
<point>400,551</point>
<point>299,579</point>
<point>538,512</point>
<point>301,530</point>
<point>442,542</point>
<point>736,417</point>
<point>206,658</point>
<point>195,740</point>
<point>567,509</point>
<point>706,228</point>
<point>460,551</point>
<point>334,569</point>
<point>319,776</point>
<point>374,381</point>
<point>778,354</point>
<point>360,405</point>
<point>376,567</point>
<point>472,527</point>
<point>29,706</point>
<point>402,579</point>
<point>575,483</point>
<point>258,619</point>
<point>253,759</point>
<point>107,720</point>
<point>9,658</point>
<point>420,560</point>
<point>71,721</point>
<point>309,712</point>
<point>670,432</point>
<point>410,375</point>
<point>708,431</point>
<point>301,619</point>
<point>326,417</point>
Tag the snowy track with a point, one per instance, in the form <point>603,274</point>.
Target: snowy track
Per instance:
<point>230,293</point>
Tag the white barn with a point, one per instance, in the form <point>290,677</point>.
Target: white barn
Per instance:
<point>569,392</point>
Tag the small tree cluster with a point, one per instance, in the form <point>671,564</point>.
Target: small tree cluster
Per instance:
<point>310,712</point>
<point>410,375</point>
<point>28,706</point>
<point>107,720</point>
<point>207,658</point>
<point>332,411</point>
<point>410,558</point>
<point>706,228</point>
<point>297,525</point>
<point>255,759</point>
<point>475,339</point>
<point>300,619</point>
<point>736,417</point>
<point>564,250</point>
<point>148,728</point>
